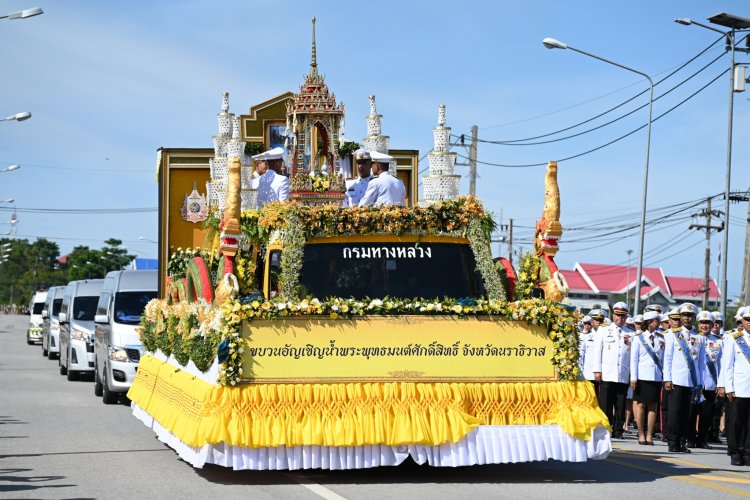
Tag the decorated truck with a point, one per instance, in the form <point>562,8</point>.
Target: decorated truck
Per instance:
<point>302,334</point>
<point>356,338</point>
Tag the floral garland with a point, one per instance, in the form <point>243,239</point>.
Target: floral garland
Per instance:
<point>480,246</point>
<point>179,259</point>
<point>528,275</point>
<point>293,256</point>
<point>245,267</point>
<point>221,327</point>
<point>320,183</point>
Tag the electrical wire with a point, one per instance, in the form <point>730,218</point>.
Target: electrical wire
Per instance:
<point>608,143</point>
<point>523,142</point>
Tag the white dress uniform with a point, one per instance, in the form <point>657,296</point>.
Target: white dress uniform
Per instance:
<point>736,379</point>
<point>272,187</point>
<point>642,365</point>
<point>676,369</point>
<point>735,366</point>
<point>612,353</point>
<point>586,353</point>
<point>355,190</point>
<point>713,356</point>
<point>384,189</point>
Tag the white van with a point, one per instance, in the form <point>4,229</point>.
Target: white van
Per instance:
<point>76,320</point>
<point>117,348</point>
<point>51,326</point>
<point>34,332</point>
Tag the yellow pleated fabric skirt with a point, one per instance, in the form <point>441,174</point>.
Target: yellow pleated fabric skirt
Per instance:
<point>353,414</point>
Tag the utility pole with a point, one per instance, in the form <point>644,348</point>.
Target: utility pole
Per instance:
<point>473,162</point>
<point>746,266</point>
<point>510,240</point>
<point>707,213</point>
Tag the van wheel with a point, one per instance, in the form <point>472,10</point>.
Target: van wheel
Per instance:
<point>45,353</point>
<point>97,383</point>
<point>108,397</point>
<point>63,370</point>
<point>72,375</point>
<point>28,341</point>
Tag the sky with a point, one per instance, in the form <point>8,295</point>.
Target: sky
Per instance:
<point>109,83</point>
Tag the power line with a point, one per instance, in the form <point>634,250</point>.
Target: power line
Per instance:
<point>610,142</point>
<point>518,142</point>
<point>79,211</point>
<point>514,142</point>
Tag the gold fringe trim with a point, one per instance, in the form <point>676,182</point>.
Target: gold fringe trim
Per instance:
<point>353,414</point>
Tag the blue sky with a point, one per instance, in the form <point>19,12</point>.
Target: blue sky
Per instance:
<point>109,83</point>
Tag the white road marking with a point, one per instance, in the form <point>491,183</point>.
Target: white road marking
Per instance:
<point>316,488</point>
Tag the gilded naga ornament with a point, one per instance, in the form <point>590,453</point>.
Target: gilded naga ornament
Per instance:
<point>548,232</point>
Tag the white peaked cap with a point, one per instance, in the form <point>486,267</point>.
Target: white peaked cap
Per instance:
<point>272,154</point>
<point>380,157</point>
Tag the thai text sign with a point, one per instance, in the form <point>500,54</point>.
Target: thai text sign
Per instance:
<point>396,348</point>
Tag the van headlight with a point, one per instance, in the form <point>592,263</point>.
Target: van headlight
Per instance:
<point>79,335</point>
<point>118,354</point>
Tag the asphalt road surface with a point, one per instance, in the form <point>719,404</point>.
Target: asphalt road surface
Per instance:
<point>59,441</point>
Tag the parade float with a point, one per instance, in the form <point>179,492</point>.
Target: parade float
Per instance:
<point>305,335</point>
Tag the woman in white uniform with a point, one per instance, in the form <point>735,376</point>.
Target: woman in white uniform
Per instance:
<point>646,365</point>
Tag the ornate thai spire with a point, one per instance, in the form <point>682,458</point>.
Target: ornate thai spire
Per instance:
<point>314,61</point>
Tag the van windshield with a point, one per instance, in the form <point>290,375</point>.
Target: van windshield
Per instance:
<point>402,270</point>
<point>56,305</point>
<point>38,308</point>
<point>129,306</point>
<point>84,308</point>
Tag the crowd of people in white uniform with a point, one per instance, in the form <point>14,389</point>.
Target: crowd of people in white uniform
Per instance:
<point>683,373</point>
<point>373,186</point>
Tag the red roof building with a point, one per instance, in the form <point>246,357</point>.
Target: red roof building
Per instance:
<point>603,284</point>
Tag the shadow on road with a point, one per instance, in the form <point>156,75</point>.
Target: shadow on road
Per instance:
<point>26,483</point>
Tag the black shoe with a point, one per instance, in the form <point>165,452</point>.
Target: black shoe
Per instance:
<point>703,445</point>
<point>664,439</point>
<point>684,449</point>
<point>691,444</point>
<point>676,449</point>
<point>737,460</point>
<point>746,460</point>
<point>617,435</point>
<point>714,439</point>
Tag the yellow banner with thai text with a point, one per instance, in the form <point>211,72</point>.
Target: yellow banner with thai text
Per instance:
<point>396,348</point>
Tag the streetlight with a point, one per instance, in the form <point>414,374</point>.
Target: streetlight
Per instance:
<point>146,239</point>
<point>735,23</point>
<point>23,14</point>
<point>627,286</point>
<point>8,200</point>
<point>551,43</point>
<point>97,265</point>
<point>10,168</point>
<point>19,117</point>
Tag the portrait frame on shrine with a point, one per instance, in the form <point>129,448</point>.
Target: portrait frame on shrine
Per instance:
<point>274,134</point>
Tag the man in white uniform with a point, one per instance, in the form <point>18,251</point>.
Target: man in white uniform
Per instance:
<point>684,357</point>
<point>271,184</point>
<point>735,365</point>
<point>702,415</point>
<point>612,365</point>
<point>383,189</point>
<point>356,188</point>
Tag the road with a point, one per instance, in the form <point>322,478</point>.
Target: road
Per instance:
<point>59,441</point>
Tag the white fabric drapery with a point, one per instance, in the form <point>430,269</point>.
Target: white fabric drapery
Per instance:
<point>487,444</point>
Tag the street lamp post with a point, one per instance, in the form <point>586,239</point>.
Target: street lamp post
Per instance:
<point>88,262</point>
<point>735,23</point>
<point>142,238</point>
<point>10,168</point>
<point>551,43</point>
<point>627,285</point>
<point>23,14</point>
<point>19,117</point>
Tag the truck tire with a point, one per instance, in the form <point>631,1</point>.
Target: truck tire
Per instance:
<point>97,382</point>
<point>108,397</point>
